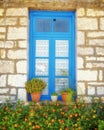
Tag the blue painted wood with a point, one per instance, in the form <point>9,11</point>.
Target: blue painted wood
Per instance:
<point>52,36</point>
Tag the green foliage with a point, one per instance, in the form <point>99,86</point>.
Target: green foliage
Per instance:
<point>68,90</point>
<point>69,93</point>
<point>51,116</point>
<point>101,125</point>
<point>35,85</point>
<point>54,94</point>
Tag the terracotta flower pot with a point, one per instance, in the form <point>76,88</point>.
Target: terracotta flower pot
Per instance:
<point>64,96</point>
<point>36,96</point>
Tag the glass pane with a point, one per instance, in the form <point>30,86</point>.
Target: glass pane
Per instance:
<point>61,25</point>
<point>45,91</point>
<point>61,67</point>
<point>41,67</point>
<point>61,83</point>
<point>43,25</point>
<point>62,48</point>
<point>42,48</point>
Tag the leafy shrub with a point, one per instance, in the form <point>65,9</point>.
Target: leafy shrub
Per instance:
<point>51,116</point>
<point>101,125</point>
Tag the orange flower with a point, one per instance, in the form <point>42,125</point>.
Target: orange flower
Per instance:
<point>53,110</point>
<point>52,121</point>
<point>15,125</point>
<point>37,126</point>
<point>71,116</point>
<point>62,113</point>
<point>76,125</point>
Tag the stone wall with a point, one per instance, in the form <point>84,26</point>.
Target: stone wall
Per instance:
<point>14,52</point>
<point>90,52</point>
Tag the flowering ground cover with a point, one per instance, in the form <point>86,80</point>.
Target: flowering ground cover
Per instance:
<point>51,116</point>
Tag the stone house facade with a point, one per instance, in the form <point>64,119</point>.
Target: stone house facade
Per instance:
<point>14,42</point>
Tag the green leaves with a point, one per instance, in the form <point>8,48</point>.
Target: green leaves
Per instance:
<point>51,115</point>
<point>35,85</point>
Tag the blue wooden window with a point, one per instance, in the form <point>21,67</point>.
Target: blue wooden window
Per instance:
<point>61,25</point>
<point>52,50</point>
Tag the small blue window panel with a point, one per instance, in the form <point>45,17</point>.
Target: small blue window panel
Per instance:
<point>43,25</point>
<point>61,83</point>
<point>62,67</point>
<point>41,67</point>
<point>62,48</point>
<point>42,48</point>
<point>61,25</point>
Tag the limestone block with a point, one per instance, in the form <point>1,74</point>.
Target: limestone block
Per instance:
<point>13,98</point>
<point>3,98</point>
<point>80,38</point>
<point>81,89</point>
<point>17,54</point>
<point>2,36</point>
<point>91,58</point>
<point>15,33</point>
<point>100,59</point>
<point>94,13</point>
<point>9,44</point>
<point>3,80</point>
<point>8,21</point>
<point>100,51</point>
<point>2,29</point>
<point>4,90</point>
<point>6,97</point>
<point>6,44</point>
<point>17,12</point>
<point>23,21</point>
<point>100,75</point>
<point>22,44</point>
<point>13,91</point>
<point>86,99</point>
<point>96,83</point>
<point>95,65</point>
<point>17,80</point>
<point>2,22</point>
<point>89,65</point>
<point>102,23</point>
<point>96,42</point>
<point>1,12</point>
<point>87,75</point>
<point>2,53</point>
<point>80,63</point>
<point>97,34</point>
<point>85,51</point>
<point>80,12</point>
<point>91,90</point>
<point>1,44</point>
<point>6,66</point>
<point>87,24</point>
<point>21,67</point>
<point>100,90</point>
<point>22,95</point>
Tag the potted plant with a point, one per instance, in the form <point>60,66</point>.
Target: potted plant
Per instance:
<point>67,95</point>
<point>35,87</point>
<point>54,96</point>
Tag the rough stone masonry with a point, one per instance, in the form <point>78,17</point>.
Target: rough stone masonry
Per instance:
<point>14,41</point>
